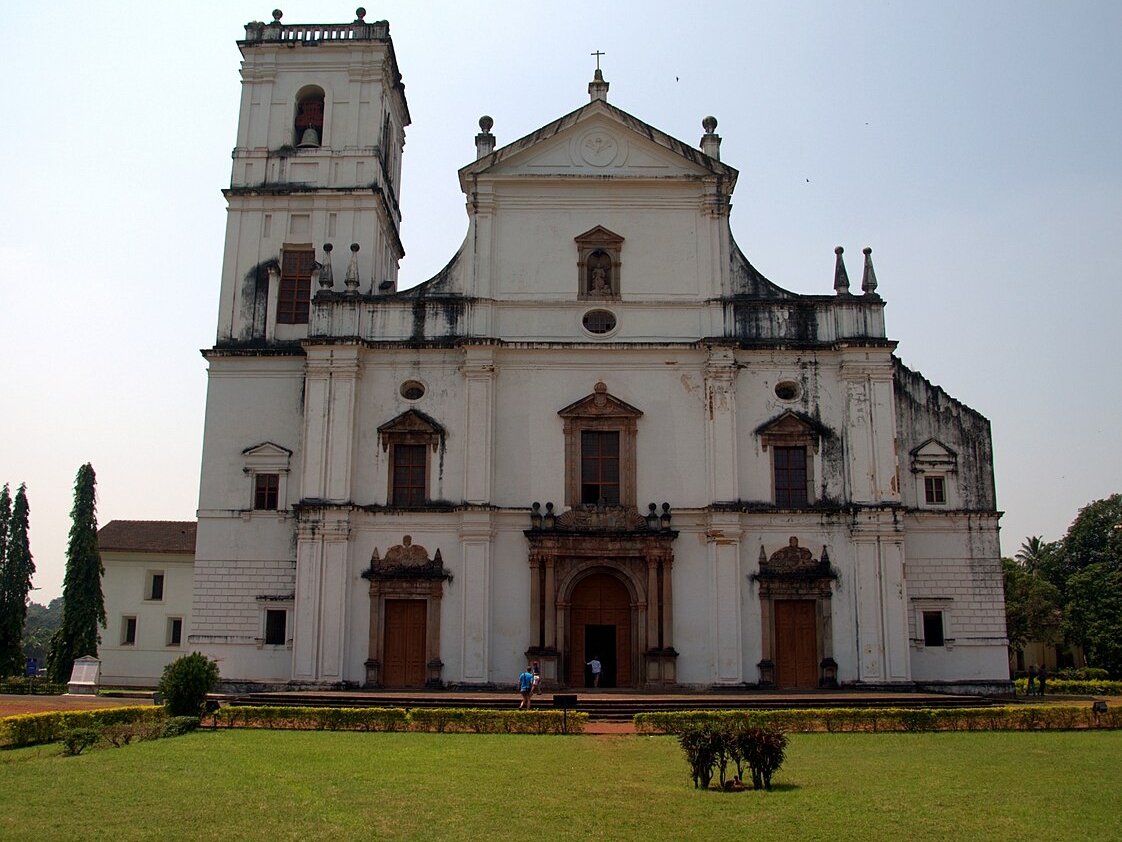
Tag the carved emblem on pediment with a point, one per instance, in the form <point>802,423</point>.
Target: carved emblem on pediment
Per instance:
<point>405,560</point>
<point>790,559</point>
<point>602,519</point>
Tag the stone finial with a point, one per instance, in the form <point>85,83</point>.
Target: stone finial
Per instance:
<point>277,15</point>
<point>711,141</point>
<point>841,277</point>
<point>351,279</point>
<point>598,88</point>
<point>869,277</point>
<point>484,141</point>
<point>326,276</point>
<point>360,13</point>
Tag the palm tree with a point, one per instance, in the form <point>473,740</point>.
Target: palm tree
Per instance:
<point>1032,553</point>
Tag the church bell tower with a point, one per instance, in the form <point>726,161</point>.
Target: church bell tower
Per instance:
<point>313,196</point>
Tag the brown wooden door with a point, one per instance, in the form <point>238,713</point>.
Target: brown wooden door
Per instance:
<point>404,664</point>
<point>796,643</point>
<point>600,615</point>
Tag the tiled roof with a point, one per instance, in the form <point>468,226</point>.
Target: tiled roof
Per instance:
<point>148,536</point>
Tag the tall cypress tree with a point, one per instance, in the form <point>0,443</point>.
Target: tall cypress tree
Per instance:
<point>15,583</point>
<point>83,606</point>
<point>5,526</point>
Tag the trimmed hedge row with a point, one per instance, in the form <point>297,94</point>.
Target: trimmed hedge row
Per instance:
<point>1068,687</point>
<point>1012,718</point>
<point>438,720</point>
<point>33,728</point>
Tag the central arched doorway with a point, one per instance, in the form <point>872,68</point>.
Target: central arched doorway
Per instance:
<point>600,623</point>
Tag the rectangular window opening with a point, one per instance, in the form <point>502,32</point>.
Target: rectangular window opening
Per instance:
<point>599,467</point>
<point>128,631</point>
<point>790,477</point>
<point>933,628</point>
<point>155,586</point>
<point>276,627</point>
<point>935,490</point>
<point>410,467</point>
<point>175,631</point>
<point>266,492</point>
<point>295,292</point>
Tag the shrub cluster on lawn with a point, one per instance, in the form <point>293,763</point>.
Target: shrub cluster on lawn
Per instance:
<point>1075,687</point>
<point>709,748</point>
<point>998,718</point>
<point>186,682</point>
<point>79,730</point>
<point>33,728</point>
<point>473,720</point>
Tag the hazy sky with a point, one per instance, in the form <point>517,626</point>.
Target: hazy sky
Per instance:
<point>974,145</point>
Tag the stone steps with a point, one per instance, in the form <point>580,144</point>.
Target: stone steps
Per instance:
<point>612,706</point>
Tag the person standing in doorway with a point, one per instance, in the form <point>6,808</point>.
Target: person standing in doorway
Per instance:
<point>1041,677</point>
<point>596,667</point>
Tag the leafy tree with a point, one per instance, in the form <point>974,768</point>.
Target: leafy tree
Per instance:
<point>83,606</point>
<point>1093,618</point>
<point>1032,606</point>
<point>16,570</point>
<point>186,682</point>
<point>41,624</point>
<point>1089,562</point>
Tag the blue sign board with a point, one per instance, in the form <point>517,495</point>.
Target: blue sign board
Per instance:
<point>32,666</point>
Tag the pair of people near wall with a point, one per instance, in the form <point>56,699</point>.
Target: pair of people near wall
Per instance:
<point>1036,680</point>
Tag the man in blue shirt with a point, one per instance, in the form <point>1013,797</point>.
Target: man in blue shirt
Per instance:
<point>525,688</point>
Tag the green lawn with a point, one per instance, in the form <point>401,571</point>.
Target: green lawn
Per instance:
<point>283,785</point>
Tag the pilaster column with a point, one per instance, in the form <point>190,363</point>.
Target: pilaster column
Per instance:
<point>333,599</point>
<point>536,630</point>
<point>882,621</point>
<point>724,554</point>
<point>720,424</point>
<point>652,602</point>
<point>870,426</point>
<point>479,376</point>
<point>330,388</point>
<point>476,535</point>
<point>550,603</point>
<point>668,602</point>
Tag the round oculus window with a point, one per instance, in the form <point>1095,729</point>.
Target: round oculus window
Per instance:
<point>787,390</point>
<point>412,390</point>
<point>599,321</point>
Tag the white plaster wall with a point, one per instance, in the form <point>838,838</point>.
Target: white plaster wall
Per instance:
<point>534,254</point>
<point>955,556</point>
<point>124,588</point>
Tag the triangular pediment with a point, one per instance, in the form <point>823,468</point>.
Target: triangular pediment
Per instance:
<point>266,457</point>
<point>933,455</point>
<point>600,404</point>
<point>267,450</point>
<point>597,140</point>
<point>792,429</point>
<point>411,427</point>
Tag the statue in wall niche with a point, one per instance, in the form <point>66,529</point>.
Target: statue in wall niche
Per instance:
<point>599,274</point>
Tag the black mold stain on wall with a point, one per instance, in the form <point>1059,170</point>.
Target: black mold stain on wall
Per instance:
<point>254,301</point>
<point>924,411</point>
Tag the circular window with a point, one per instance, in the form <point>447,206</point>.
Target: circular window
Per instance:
<point>599,321</point>
<point>412,390</point>
<point>787,390</point>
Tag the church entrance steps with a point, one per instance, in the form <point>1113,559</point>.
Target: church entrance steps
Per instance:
<point>615,706</point>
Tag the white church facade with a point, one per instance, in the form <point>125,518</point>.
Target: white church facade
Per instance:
<point>598,431</point>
